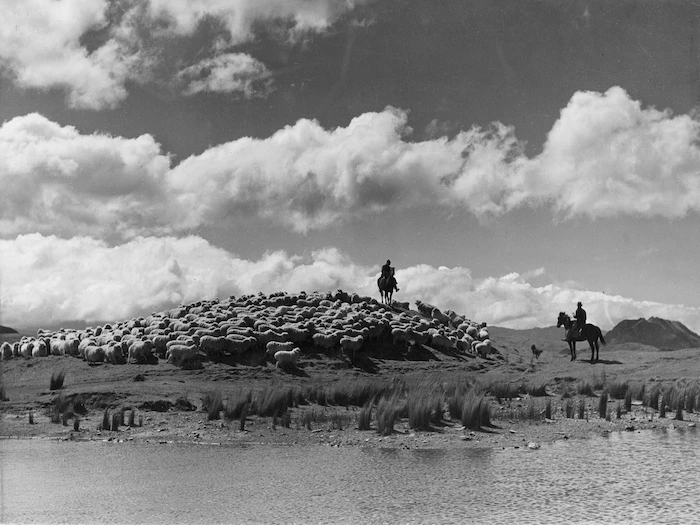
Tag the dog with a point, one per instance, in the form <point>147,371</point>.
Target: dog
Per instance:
<point>535,351</point>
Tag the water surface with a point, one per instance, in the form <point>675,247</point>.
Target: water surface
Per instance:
<point>643,477</point>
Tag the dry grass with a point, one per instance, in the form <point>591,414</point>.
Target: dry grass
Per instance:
<point>603,404</point>
<point>476,412</point>
<point>212,403</point>
<point>57,379</point>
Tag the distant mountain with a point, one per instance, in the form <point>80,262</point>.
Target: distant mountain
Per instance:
<point>661,333</point>
<point>7,330</point>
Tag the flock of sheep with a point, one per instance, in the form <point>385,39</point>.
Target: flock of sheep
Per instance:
<point>277,326</point>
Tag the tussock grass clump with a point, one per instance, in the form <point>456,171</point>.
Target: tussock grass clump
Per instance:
<point>235,406</point>
<point>584,388</point>
<point>537,390</point>
<point>364,419</point>
<point>388,411</point>
<point>105,420</point>
<point>275,400</point>
<point>476,412</point>
<point>619,410</point>
<point>581,409</point>
<point>76,423</point>
<point>617,389</point>
<point>569,408</point>
<point>456,397</point>
<point>424,408</point>
<point>57,379</point>
<point>503,390</point>
<point>212,403</point>
<point>31,418</point>
<point>603,404</point>
<point>637,389</point>
<point>628,401</point>
<point>79,405</point>
<point>651,396</point>
<point>132,417</point>
<point>115,421</point>
<point>679,411</point>
<point>3,393</point>
<point>548,410</point>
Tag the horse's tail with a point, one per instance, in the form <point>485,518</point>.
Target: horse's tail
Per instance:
<point>600,335</point>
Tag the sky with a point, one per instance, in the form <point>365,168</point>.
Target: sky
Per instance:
<point>510,158</point>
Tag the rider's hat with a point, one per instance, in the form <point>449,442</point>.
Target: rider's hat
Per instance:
<point>579,304</point>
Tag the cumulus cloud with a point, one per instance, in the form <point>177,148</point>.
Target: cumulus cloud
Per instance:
<point>93,48</point>
<point>47,281</point>
<point>56,180</point>
<point>228,73</point>
<point>306,177</point>
<point>605,156</point>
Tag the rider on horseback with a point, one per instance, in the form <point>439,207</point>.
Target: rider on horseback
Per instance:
<point>580,317</point>
<point>388,273</point>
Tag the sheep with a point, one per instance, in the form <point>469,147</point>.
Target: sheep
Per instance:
<point>239,344</point>
<point>6,350</point>
<point>213,346</point>
<point>325,341</point>
<point>64,346</point>
<point>141,350</point>
<point>287,358</point>
<point>94,354</point>
<point>483,334</point>
<point>84,343</point>
<point>351,344</point>
<point>26,348</point>
<point>114,353</point>
<point>482,348</point>
<point>272,347</point>
<point>441,342</point>
<point>39,349</point>
<point>179,354</point>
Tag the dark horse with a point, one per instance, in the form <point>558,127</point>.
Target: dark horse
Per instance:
<point>386,286</point>
<point>592,335</point>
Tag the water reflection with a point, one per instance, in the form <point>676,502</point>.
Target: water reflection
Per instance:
<point>647,477</point>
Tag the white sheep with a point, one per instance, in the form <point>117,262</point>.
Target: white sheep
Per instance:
<point>178,354</point>
<point>272,347</point>
<point>26,348</point>
<point>239,344</point>
<point>64,346</point>
<point>94,354</point>
<point>482,348</point>
<point>141,350</point>
<point>351,344</point>
<point>287,358</point>
<point>39,349</point>
<point>6,350</point>
<point>114,353</point>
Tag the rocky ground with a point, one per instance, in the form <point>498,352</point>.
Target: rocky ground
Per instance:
<point>168,401</point>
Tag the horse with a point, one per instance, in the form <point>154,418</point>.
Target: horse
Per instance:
<point>386,286</point>
<point>592,335</point>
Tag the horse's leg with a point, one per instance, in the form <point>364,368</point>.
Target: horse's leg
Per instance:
<point>590,343</point>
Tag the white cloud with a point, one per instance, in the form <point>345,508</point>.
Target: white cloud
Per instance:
<point>55,180</point>
<point>305,177</point>
<point>43,42</point>
<point>47,280</point>
<point>605,156</point>
<point>227,73</point>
